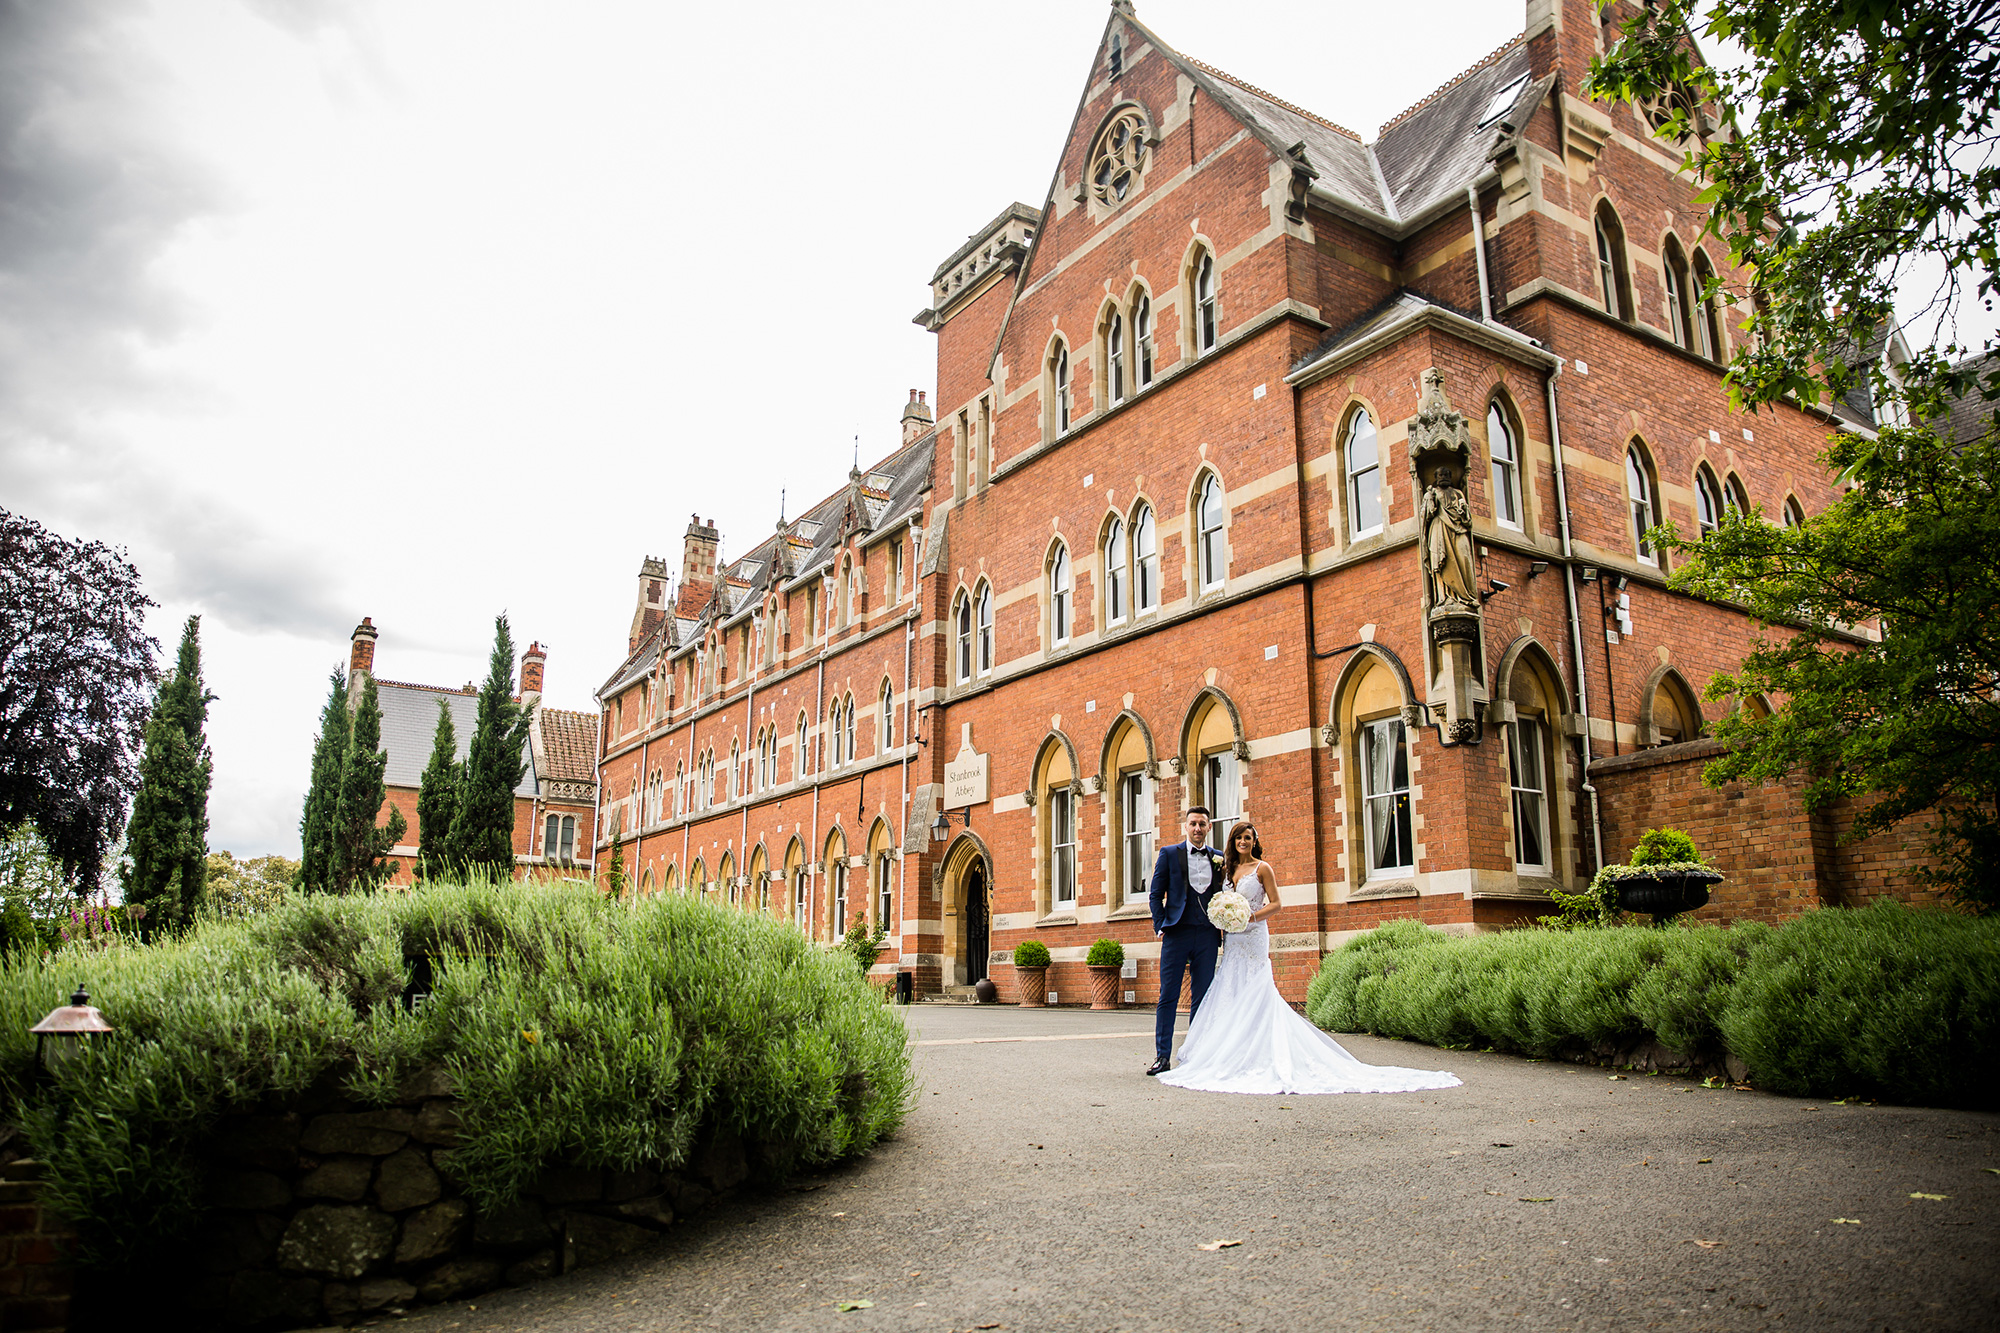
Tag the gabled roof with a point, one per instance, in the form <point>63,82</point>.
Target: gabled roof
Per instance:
<point>569,745</point>
<point>409,729</point>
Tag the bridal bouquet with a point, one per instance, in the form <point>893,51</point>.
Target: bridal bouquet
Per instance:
<point>1229,912</point>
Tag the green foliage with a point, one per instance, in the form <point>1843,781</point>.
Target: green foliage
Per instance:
<point>317,858</point>
<point>1885,1002</point>
<point>32,881</point>
<point>1857,161</point>
<point>437,798</point>
<point>360,846</point>
<point>168,835</point>
<point>482,828</point>
<point>1664,846</point>
<point>1911,716</point>
<point>1031,953</point>
<point>864,944</point>
<point>577,1031</point>
<point>1105,953</point>
<point>616,881</point>
<point>245,888</point>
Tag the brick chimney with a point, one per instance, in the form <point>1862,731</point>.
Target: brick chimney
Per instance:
<point>698,552</point>
<point>916,416</point>
<point>652,606</point>
<point>532,663</point>
<point>361,652</point>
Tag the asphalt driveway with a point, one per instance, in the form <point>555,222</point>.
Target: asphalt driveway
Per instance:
<point>1041,1182</point>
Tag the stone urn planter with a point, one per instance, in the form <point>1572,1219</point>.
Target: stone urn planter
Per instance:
<point>1104,987</point>
<point>1031,973</point>
<point>1664,892</point>
<point>985,992</point>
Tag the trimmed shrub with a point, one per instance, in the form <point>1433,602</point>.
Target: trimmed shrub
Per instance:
<point>577,1031</point>
<point>1031,953</point>
<point>1106,953</point>
<point>1883,1002</point>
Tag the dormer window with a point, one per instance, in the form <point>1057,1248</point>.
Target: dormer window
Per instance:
<point>1120,159</point>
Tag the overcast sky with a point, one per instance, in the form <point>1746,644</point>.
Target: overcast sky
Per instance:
<point>429,310</point>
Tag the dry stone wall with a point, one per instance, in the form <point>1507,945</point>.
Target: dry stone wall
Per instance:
<point>326,1212</point>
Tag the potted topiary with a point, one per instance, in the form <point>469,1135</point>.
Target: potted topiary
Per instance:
<point>1665,877</point>
<point>1106,960</point>
<point>1031,972</point>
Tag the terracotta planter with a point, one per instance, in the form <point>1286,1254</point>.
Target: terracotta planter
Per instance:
<point>1033,982</point>
<point>1104,982</point>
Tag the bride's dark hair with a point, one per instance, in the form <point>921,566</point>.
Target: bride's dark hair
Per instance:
<point>1230,860</point>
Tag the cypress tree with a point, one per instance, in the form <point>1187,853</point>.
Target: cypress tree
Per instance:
<point>316,855</point>
<point>168,836</point>
<point>482,828</point>
<point>359,844</point>
<point>437,799</point>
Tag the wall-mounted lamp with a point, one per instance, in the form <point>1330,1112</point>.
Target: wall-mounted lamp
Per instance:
<point>1620,584</point>
<point>1538,567</point>
<point>941,826</point>
<point>1588,573</point>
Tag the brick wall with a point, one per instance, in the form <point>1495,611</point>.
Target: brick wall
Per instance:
<point>36,1271</point>
<point>1779,858</point>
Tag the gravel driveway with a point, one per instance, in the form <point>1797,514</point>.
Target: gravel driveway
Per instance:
<point>1041,1182</point>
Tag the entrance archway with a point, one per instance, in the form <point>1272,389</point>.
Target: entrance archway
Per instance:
<point>967,875</point>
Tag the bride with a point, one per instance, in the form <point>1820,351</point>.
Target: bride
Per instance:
<point>1245,1038</point>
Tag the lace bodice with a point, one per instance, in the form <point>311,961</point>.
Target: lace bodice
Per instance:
<point>1251,885</point>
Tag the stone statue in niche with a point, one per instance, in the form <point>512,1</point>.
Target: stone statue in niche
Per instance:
<point>1448,545</point>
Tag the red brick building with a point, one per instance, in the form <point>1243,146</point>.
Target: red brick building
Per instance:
<point>555,802</point>
<point>1272,469</point>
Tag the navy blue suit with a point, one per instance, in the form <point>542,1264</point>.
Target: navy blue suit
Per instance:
<point>1188,941</point>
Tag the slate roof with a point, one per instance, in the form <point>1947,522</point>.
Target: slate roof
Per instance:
<point>1972,415</point>
<point>409,727</point>
<point>1422,158</point>
<point>881,496</point>
<point>1402,307</point>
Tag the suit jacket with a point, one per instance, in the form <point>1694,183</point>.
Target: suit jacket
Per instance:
<point>1169,895</point>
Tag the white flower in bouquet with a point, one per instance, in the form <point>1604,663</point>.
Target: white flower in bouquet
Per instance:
<point>1229,912</point>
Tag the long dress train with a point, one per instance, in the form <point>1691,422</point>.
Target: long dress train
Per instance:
<point>1247,1039</point>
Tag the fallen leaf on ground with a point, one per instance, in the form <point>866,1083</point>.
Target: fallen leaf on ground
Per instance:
<point>989,1325</point>
<point>1847,1221</point>
<point>845,1306</point>
<point>1493,1192</point>
<point>840,1214</point>
<point>1219,1245</point>
<point>1503,1145</point>
<point>1525,1199</point>
<point>1930,1196</point>
<point>1709,1244</point>
<point>1703,1161</point>
<point>1994,1169</point>
<point>1617,1078</point>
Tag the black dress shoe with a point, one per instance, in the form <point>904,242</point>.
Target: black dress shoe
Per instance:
<point>1159,1066</point>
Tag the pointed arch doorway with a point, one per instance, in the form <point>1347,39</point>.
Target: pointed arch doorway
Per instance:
<point>967,876</point>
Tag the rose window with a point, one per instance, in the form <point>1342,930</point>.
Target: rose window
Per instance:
<point>1120,159</point>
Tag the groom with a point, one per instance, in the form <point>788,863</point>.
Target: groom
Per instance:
<point>1186,875</point>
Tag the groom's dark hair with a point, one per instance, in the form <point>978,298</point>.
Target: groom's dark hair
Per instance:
<point>1198,810</point>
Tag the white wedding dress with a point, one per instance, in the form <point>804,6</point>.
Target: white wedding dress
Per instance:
<point>1247,1039</point>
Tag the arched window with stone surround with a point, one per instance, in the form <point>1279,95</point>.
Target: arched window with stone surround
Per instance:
<point>847,720</point>
<point>1128,780</point>
<point>886,720</point>
<point>1361,457</point>
<point>1206,320</point>
<point>1369,707</point>
<point>1709,505</point>
<point>1679,291</point>
<point>1211,754</point>
<point>1707,331</point>
<point>1142,339</point>
<point>1609,235</point>
<point>1057,824</point>
<point>1504,452</point>
<point>1145,562</point>
<point>802,748</point>
<point>1058,390</point>
<point>1114,356</point>
<point>1641,493</point>
<point>1116,556</point>
<point>983,625</point>
<point>961,619</point>
<point>1211,546</point>
<point>1060,595</point>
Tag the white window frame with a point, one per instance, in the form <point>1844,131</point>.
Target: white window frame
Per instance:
<point>1060,609</point>
<point>885,898</point>
<point>1135,833</point>
<point>962,624</point>
<point>1222,792</point>
<point>1396,799</point>
<point>1145,561</point>
<point>1639,492</point>
<point>1211,546</point>
<point>1709,504</point>
<point>838,872</point>
<point>888,724</point>
<point>847,720</point>
<point>1527,779</point>
<point>1142,337</point>
<point>983,630</point>
<point>1062,848</point>
<point>1504,455</point>
<point>1357,478</point>
<point>1115,608</point>
<point>1207,332</point>
<point>1059,373</point>
<point>1114,361</point>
